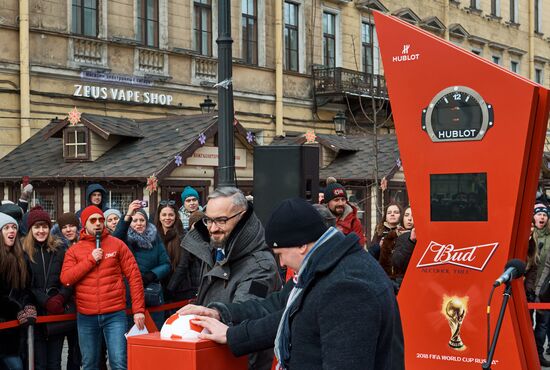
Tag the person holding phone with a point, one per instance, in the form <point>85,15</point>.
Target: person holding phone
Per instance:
<point>143,239</point>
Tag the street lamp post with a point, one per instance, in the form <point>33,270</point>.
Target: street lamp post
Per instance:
<point>340,123</point>
<point>226,142</point>
<point>207,106</point>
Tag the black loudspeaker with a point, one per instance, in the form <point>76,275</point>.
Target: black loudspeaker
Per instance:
<point>282,172</point>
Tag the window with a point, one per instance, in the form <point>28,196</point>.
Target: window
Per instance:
<point>291,37</point>
<point>538,16</point>
<point>476,51</point>
<point>496,59</point>
<point>76,143</point>
<point>85,18</point>
<point>367,46</point>
<point>514,66</point>
<point>120,199</point>
<point>329,39</point>
<point>148,22</point>
<point>203,26</point>
<point>46,197</point>
<point>495,8</point>
<point>474,4</point>
<point>514,11</point>
<point>539,76</point>
<point>250,31</point>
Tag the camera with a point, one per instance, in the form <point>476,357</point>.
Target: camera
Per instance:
<point>144,204</point>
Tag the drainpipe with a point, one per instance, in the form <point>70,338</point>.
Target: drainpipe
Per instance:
<point>24,74</point>
<point>279,68</point>
<point>532,40</point>
<point>446,19</point>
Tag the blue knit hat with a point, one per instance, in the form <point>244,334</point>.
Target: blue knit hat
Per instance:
<point>187,192</point>
<point>7,219</point>
<point>112,211</point>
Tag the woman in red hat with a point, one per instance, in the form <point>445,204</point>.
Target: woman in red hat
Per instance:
<point>45,253</point>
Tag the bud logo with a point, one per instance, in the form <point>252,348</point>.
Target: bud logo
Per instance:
<point>405,56</point>
<point>474,257</point>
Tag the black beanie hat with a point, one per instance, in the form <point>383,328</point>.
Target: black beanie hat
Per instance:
<point>334,190</point>
<point>294,223</point>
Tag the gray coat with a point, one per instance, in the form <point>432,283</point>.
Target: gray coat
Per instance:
<point>248,271</point>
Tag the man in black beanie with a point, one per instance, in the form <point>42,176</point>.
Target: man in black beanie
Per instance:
<point>339,313</point>
<point>347,221</point>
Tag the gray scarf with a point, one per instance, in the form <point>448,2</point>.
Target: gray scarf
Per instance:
<point>305,276</point>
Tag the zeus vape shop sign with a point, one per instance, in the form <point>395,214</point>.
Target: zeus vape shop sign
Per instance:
<point>122,95</point>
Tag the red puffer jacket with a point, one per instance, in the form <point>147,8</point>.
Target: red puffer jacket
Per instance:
<point>100,286</point>
<point>349,223</point>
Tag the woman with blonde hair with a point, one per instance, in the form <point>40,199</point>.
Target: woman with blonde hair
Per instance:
<point>46,253</point>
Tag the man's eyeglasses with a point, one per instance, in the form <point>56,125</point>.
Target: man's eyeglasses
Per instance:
<point>94,220</point>
<point>167,202</point>
<point>220,221</point>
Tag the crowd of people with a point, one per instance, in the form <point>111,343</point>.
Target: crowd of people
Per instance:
<point>102,263</point>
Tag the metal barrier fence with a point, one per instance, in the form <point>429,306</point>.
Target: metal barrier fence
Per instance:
<point>149,324</point>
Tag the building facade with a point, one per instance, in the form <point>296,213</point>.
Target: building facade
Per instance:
<point>296,63</point>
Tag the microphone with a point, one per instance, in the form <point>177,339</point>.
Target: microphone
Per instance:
<point>97,241</point>
<point>514,269</point>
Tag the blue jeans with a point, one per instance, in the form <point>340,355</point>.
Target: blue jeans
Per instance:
<point>10,362</point>
<point>112,326</point>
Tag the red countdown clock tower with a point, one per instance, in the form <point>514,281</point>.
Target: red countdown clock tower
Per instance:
<point>470,135</point>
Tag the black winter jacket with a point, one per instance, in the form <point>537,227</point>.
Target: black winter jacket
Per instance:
<point>347,317</point>
<point>45,272</point>
<point>11,302</point>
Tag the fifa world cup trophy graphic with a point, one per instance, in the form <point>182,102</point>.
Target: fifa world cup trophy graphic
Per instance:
<point>454,309</point>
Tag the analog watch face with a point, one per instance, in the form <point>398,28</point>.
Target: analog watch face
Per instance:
<point>457,110</point>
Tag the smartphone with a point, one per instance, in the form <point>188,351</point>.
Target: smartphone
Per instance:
<point>144,204</point>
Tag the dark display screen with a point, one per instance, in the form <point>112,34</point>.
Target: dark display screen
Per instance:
<point>458,197</point>
<point>457,118</point>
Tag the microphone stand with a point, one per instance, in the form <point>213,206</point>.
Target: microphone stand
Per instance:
<point>507,293</point>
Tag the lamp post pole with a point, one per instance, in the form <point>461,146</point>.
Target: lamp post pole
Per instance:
<point>226,142</point>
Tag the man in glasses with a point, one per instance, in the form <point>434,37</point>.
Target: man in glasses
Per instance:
<point>340,311</point>
<point>237,264</point>
<point>190,200</point>
<point>97,275</point>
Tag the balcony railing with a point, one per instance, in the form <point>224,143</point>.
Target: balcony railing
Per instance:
<point>205,69</point>
<point>337,81</point>
<point>151,60</point>
<point>88,51</point>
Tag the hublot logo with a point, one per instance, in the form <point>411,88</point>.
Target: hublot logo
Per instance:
<point>405,56</point>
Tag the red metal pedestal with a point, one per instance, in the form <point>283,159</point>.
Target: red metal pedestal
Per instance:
<point>147,352</point>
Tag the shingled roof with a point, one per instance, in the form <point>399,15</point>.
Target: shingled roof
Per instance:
<point>132,158</point>
<point>104,126</point>
<point>355,155</point>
